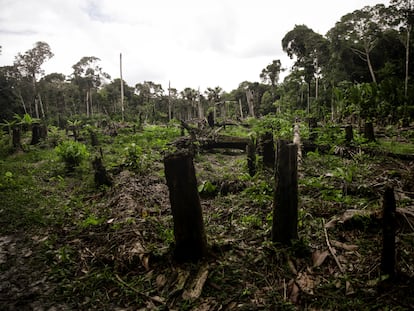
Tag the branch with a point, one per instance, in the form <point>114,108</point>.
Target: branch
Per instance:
<point>331,250</point>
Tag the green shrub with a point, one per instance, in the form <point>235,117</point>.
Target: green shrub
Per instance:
<point>72,153</point>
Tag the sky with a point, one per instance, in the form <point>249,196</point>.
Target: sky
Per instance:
<point>189,43</point>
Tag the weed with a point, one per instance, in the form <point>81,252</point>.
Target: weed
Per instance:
<point>72,153</point>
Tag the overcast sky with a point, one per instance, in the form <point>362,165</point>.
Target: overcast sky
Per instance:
<point>192,43</point>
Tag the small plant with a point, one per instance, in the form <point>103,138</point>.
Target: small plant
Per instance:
<point>72,153</point>
<point>135,158</point>
<point>207,188</point>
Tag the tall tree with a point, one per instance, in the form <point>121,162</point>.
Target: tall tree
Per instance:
<point>29,64</point>
<point>271,73</point>
<point>310,50</point>
<point>88,76</point>
<point>150,93</point>
<point>402,16</point>
<point>362,30</point>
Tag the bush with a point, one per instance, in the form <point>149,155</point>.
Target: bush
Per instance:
<point>72,153</point>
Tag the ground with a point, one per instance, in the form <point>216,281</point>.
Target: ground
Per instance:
<point>65,245</point>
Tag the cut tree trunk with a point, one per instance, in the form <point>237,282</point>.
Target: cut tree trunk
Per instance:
<point>101,175</point>
<point>251,157</point>
<point>267,149</point>
<point>388,235</point>
<point>39,131</point>
<point>369,131</point>
<point>190,238</point>
<point>285,202</point>
<point>349,134</point>
<point>16,138</point>
<point>223,141</point>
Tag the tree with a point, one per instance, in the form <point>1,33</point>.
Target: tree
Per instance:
<point>190,96</point>
<point>271,73</point>
<point>362,29</point>
<point>88,76</point>
<point>149,93</point>
<point>402,16</point>
<point>29,65</point>
<point>310,50</point>
<point>214,97</point>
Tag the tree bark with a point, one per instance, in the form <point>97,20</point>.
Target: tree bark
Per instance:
<point>190,238</point>
<point>349,134</point>
<point>267,149</point>
<point>369,131</point>
<point>285,202</point>
<point>16,138</point>
<point>389,229</point>
<point>251,157</point>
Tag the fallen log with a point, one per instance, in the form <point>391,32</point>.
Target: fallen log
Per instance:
<point>223,141</point>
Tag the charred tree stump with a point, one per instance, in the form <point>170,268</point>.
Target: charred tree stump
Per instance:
<point>101,175</point>
<point>312,124</point>
<point>189,234</point>
<point>210,119</point>
<point>16,138</point>
<point>369,131</point>
<point>285,201</point>
<point>388,236</point>
<point>39,131</point>
<point>251,157</point>
<point>267,148</point>
<point>349,134</point>
<point>94,137</point>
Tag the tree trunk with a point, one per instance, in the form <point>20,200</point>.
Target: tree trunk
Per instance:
<point>122,87</point>
<point>190,238</point>
<point>241,109</point>
<point>35,134</point>
<point>250,102</point>
<point>251,157</point>
<point>210,119</point>
<point>285,201</point>
<point>16,138</point>
<point>407,62</point>
<point>101,176</point>
<point>371,69</point>
<point>267,149</point>
<point>389,229</point>
<point>369,131</point>
<point>349,134</point>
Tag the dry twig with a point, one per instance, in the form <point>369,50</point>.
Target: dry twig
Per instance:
<point>331,250</point>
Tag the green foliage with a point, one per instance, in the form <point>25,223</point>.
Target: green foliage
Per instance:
<point>135,158</point>
<point>72,153</point>
<point>281,126</point>
<point>207,188</point>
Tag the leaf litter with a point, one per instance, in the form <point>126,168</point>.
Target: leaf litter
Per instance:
<point>125,262</point>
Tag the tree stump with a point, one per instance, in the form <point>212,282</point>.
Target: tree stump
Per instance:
<point>388,236</point>
<point>267,148</point>
<point>312,124</point>
<point>189,234</point>
<point>251,157</point>
<point>39,131</point>
<point>369,131</point>
<point>349,134</point>
<point>285,201</point>
<point>210,119</point>
<point>16,138</point>
<point>101,175</point>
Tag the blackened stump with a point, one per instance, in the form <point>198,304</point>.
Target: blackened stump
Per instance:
<point>189,234</point>
<point>285,202</point>
<point>388,235</point>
